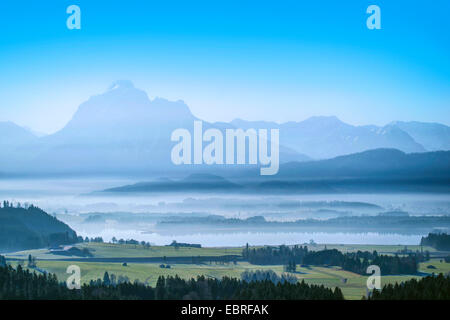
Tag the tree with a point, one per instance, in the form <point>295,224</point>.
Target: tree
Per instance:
<point>160,288</point>
<point>106,279</point>
<point>31,261</point>
<point>2,262</point>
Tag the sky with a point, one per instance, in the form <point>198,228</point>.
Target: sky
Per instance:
<point>255,60</point>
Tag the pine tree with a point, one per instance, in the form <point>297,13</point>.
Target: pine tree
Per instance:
<point>106,279</point>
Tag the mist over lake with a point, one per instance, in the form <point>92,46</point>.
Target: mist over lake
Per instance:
<point>141,216</point>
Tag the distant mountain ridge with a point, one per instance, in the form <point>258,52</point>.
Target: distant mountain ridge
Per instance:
<point>379,170</point>
<point>328,137</point>
<point>379,163</point>
<point>433,136</point>
<point>123,131</point>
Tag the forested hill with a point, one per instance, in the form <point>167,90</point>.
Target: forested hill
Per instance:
<point>29,227</point>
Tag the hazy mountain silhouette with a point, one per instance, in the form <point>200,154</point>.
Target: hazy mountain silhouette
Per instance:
<point>433,136</point>
<point>123,131</point>
<point>327,137</point>
<point>12,135</point>
<point>119,130</point>
<point>379,170</point>
<point>16,143</point>
<point>379,163</point>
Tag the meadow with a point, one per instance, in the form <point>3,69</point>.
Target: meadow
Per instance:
<point>353,285</point>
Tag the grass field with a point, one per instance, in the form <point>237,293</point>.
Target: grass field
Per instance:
<point>352,285</point>
<point>108,250</point>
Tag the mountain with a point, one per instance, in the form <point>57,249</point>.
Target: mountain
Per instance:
<point>122,131</point>
<point>378,164</point>
<point>380,171</point>
<point>38,134</point>
<point>373,171</point>
<point>433,136</point>
<point>12,135</point>
<point>31,228</point>
<point>328,137</point>
<point>16,144</point>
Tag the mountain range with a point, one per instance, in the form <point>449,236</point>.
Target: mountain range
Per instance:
<point>122,130</point>
<point>369,171</point>
<point>328,137</point>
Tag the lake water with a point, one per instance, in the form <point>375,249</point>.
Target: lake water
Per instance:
<point>261,238</point>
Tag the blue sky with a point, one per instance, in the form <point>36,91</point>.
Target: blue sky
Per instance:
<point>257,60</point>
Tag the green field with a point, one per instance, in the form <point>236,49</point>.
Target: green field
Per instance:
<point>352,285</point>
<point>108,250</point>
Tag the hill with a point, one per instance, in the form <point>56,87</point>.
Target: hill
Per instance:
<point>194,182</point>
<point>31,228</point>
<point>377,170</point>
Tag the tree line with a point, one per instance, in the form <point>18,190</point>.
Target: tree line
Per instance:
<point>22,284</point>
<point>434,287</point>
<point>351,261</point>
<point>439,241</point>
<point>264,275</point>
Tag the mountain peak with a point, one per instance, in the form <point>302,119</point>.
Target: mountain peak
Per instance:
<point>121,84</point>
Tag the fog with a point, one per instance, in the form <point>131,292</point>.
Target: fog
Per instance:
<point>146,216</point>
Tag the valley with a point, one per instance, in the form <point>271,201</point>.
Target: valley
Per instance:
<point>353,285</point>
